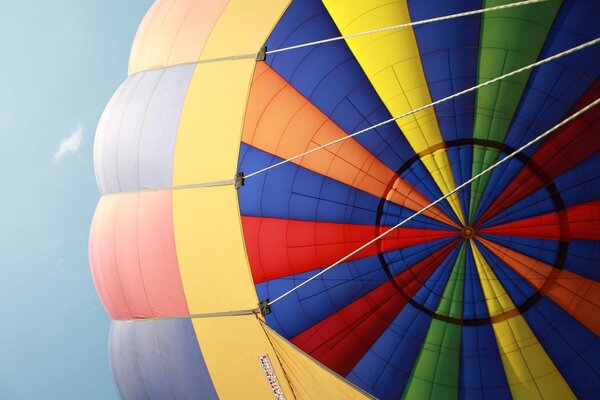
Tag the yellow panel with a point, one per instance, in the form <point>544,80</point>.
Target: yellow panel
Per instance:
<point>498,301</point>
<point>308,378</point>
<point>210,250</point>
<point>243,27</point>
<point>530,372</point>
<point>231,346</point>
<point>210,126</point>
<point>392,63</point>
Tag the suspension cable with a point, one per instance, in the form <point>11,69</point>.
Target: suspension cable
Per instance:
<point>468,182</point>
<point>407,25</point>
<point>416,110</point>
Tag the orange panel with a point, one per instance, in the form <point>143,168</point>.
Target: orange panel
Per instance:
<point>280,121</point>
<point>576,294</point>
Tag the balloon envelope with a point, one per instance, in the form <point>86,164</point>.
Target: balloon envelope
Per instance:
<point>493,292</point>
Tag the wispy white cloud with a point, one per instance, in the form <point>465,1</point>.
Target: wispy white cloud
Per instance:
<point>69,144</point>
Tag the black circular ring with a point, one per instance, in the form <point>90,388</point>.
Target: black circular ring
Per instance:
<point>528,162</point>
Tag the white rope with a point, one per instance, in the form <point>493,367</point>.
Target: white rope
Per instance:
<point>485,171</point>
<point>416,110</point>
<point>407,25</point>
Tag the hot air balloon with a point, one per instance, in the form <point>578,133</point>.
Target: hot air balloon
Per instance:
<point>369,216</point>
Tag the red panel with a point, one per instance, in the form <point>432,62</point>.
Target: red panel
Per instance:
<point>560,152</point>
<point>132,255</point>
<point>341,340</point>
<point>578,295</point>
<point>281,247</point>
<point>578,222</point>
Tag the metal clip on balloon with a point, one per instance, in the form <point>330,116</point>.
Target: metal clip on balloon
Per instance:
<point>238,180</point>
<point>264,307</point>
<point>262,54</point>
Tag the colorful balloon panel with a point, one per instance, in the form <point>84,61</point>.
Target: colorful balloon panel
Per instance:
<point>494,292</point>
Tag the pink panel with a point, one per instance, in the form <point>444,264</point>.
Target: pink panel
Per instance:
<point>103,259</point>
<point>133,258</point>
<point>94,256</point>
<point>158,257</point>
<point>126,252</point>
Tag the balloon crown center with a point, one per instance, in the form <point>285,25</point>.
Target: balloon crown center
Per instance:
<point>467,232</point>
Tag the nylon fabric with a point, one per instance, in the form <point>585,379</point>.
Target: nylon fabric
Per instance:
<point>492,293</point>
<point>398,78</point>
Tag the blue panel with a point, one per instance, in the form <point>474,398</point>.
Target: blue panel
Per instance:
<point>449,51</point>
<point>400,260</point>
<point>394,214</point>
<point>158,360</point>
<point>538,203</point>
<point>573,348</point>
<point>432,290</point>
<point>320,298</point>
<point>500,178</point>
<point>418,176</point>
<point>517,288</point>
<point>581,183</point>
<point>481,371</point>
<point>553,88</point>
<point>541,249</point>
<point>292,192</point>
<point>583,258</point>
<point>384,370</point>
<point>461,158</point>
<point>473,299</point>
<point>330,77</point>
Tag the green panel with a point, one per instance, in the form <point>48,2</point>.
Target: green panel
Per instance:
<point>451,303</point>
<point>482,159</point>
<point>510,39</point>
<point>435,374</point>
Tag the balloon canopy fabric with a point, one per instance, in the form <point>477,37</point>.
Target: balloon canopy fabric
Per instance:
<point>492,292</point>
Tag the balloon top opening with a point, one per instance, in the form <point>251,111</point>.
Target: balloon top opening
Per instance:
<point>467,232</point>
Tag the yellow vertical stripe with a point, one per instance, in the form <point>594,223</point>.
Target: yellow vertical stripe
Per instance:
<point>231,346</point>
<point>210,126</point>
<point>497,299</point>
<point>208,233</point>
<point>243,27</point>
<point>210,250</point>
<point>392,63</point>
<point>530,372</point>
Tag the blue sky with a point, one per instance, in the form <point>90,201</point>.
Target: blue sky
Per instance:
<point>60,61</point>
